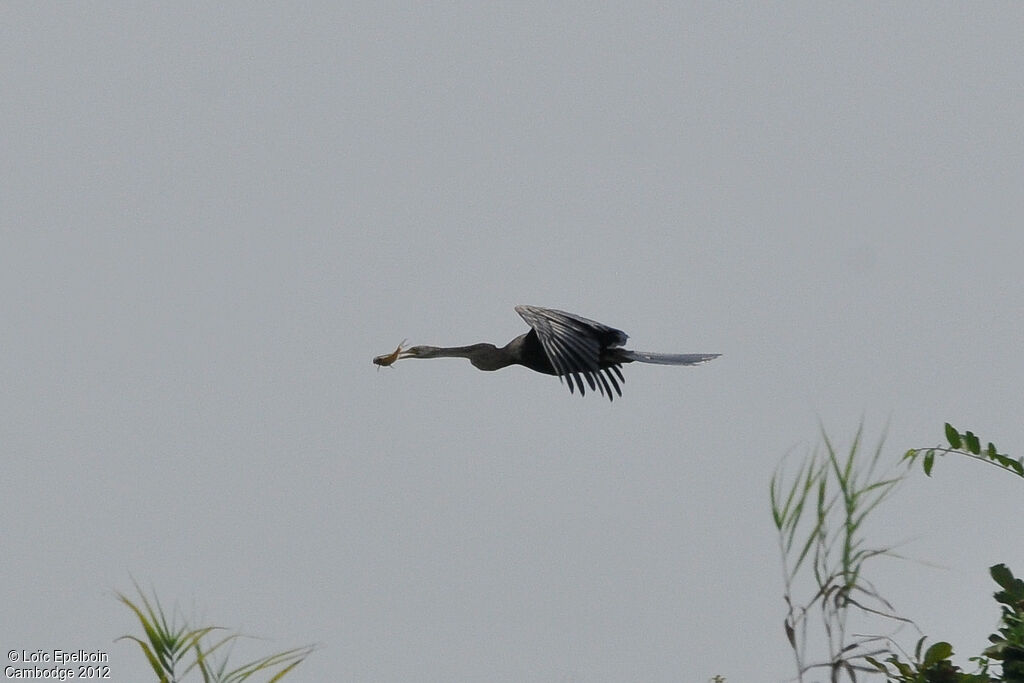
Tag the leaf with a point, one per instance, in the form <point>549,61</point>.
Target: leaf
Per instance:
<point>285,670</point>
<point>918,646</point>
<point>973,445</point>
<point>877,664</point>
<point>952,436</point>
<point>904,669</point>
<point>938,652</point>
<point>929,460</point>
<point>1002,575</point>
<point>153,662</point>
<point>1012,594</point>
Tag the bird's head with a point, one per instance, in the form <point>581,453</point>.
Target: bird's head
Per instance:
<point>399,353</point>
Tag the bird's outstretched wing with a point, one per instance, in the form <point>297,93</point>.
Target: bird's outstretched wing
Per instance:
<point>575,346</point>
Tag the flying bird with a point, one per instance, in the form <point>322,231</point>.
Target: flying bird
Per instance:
<point>558,343</point>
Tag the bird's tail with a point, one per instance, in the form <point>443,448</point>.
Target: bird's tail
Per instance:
<point>669,358</point>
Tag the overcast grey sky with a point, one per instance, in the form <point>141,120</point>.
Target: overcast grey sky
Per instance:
<point>215,214</point>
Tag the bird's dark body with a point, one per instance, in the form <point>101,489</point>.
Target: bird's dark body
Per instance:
<point>561,344</point>
<point>530,354</point>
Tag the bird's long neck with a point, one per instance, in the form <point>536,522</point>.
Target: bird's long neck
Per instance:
<point>482,356</point>
<point>449,351</point>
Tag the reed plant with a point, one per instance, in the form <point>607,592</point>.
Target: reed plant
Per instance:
<point>819,512</point>
<point>176,650</point>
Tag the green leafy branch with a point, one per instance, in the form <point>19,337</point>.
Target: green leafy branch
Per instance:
<point>1008,644</point>
<point>935,664</point>
<point>967,444</point>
